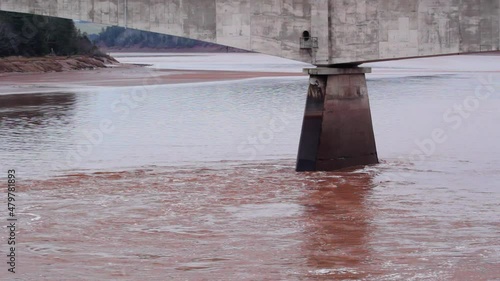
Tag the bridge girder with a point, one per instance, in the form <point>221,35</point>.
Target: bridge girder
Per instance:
<point>322,32</point>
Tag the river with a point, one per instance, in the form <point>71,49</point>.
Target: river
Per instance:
<point>190,181</point>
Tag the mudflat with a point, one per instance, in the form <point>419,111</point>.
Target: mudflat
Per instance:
<point>118,75</point>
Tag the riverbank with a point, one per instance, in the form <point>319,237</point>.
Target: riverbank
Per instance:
<point>120,75</point>
<point>54,63</point>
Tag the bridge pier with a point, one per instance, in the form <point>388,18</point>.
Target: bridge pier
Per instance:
<point>337,131</point>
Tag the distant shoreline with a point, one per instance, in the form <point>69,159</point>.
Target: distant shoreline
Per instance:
<point>88,62</point>
<point>174,50</point>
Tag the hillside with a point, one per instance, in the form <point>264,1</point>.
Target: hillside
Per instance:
<point>52,44</point>
<point>113,38</point>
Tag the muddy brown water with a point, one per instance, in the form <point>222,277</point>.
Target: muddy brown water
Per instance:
<point>193,182</point>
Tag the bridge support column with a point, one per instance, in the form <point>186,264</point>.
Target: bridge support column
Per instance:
<point>337,131</point>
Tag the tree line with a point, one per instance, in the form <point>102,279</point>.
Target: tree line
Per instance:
<point>33,35</point>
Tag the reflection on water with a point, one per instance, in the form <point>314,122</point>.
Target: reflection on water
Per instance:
<point>172,125</point>
<point>338,222</point>
<point>34,109</point>
<point>196,182</point>
<point>338,217</point>
<point>33,127</point>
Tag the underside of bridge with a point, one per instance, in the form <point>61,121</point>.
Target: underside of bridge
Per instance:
<point>333,35</point>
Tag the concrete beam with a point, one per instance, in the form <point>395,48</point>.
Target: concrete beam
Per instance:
<point>346,32</point>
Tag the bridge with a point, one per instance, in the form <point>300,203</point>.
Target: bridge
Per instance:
<point>334,35</point>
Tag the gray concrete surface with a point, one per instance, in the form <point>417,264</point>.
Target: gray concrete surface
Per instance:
<point>347,31</point>
<point>337,130</point>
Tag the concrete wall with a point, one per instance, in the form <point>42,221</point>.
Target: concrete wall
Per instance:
<point>348,31</point>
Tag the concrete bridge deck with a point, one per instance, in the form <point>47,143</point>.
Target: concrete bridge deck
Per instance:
<point>339,32</point>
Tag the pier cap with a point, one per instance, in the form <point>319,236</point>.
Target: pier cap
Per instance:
<point>337,71</point>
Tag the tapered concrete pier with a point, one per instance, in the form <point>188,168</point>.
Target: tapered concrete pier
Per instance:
<point>337,131</point>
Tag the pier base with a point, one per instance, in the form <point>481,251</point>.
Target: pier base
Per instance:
<point>337,131</point>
